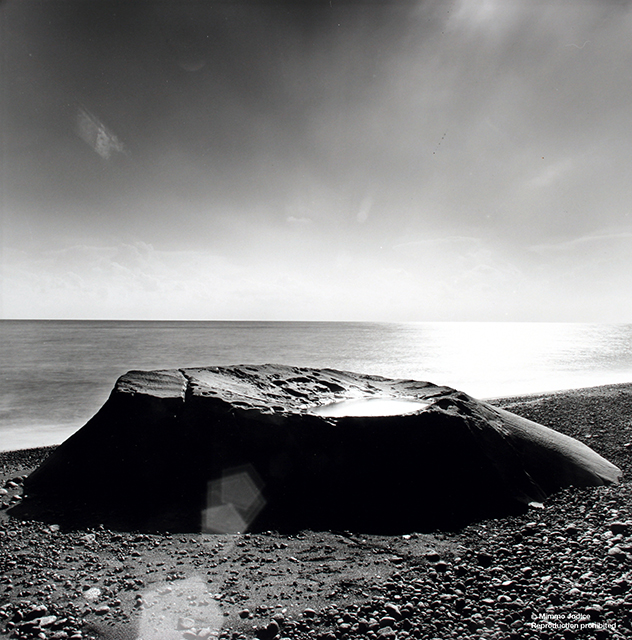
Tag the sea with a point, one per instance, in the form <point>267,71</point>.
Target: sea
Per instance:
<point>57,374</point>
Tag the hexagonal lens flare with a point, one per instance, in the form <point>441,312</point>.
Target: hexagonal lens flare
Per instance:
<point>233,501</point>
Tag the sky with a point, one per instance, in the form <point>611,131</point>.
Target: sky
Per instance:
<point>409,160</point>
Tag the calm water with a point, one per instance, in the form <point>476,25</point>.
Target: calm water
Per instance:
<point>56,374</point>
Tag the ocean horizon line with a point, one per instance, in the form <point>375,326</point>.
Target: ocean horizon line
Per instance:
<point>321,321</point>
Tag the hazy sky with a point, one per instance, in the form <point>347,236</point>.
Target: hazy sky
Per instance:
<point>403,160</point>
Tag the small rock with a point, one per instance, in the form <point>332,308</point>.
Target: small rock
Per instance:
<point>484,559</point>
<point>619,527</point>
<point>244,613</point>
<point>269,632</point>
<point>620,586</point>
<point>92,594</point>
<point>46,621</point>
<point>185,623</point>
<point>102,610</point>
<point>617,553</point>
<point>38,611</point>
<point>393,610</point>
<point>594,611</point>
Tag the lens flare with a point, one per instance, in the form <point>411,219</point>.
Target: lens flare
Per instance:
<point>233,501</point>
<point>171,609</point>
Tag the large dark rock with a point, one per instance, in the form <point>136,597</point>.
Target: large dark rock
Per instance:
<point>230,448</point>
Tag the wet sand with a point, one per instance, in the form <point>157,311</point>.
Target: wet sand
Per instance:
<point>563,570</point>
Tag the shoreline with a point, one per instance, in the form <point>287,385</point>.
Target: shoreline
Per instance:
<point>541,575</point>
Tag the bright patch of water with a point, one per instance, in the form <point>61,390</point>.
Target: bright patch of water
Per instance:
<point>368,407</point>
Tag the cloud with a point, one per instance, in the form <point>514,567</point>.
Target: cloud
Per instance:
<point>440,278</point>
<point>553,172</point>
<point>603,241</point>
<point>299,221</point>
<point>585,278</point>
<point>496,16</point>
<point>136,281</point>
<point>92,131</point>
<point>365,209</point>
<point>453,242</point>
<point>119,281</point>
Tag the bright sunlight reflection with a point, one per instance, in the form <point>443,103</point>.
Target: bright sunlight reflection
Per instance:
<point>173,609</point>
<point>365,407</point>
<point>494,359</point>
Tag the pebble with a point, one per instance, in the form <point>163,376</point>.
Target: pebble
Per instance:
<point>620,527</point>
<point>92,594</point>
<point>37,611</point>
<point>185,623</point>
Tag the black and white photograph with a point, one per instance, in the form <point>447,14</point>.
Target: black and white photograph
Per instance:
<point>315,319</point>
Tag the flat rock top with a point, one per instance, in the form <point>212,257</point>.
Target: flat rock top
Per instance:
<point>277,388</point>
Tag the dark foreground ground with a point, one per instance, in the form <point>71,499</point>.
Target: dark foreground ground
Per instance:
<point>560,571</point>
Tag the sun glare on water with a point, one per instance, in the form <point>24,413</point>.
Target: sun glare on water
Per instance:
<point>367,407</point>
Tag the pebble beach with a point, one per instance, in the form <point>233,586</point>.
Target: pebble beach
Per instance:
<point>561,570</point>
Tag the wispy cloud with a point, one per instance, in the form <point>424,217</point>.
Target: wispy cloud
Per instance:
<point>299,221</point>
<point>553,172</point>
<point>491,15</point>
<point>92,131</point>
<point>596,241</point>
<point>447,241</point>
